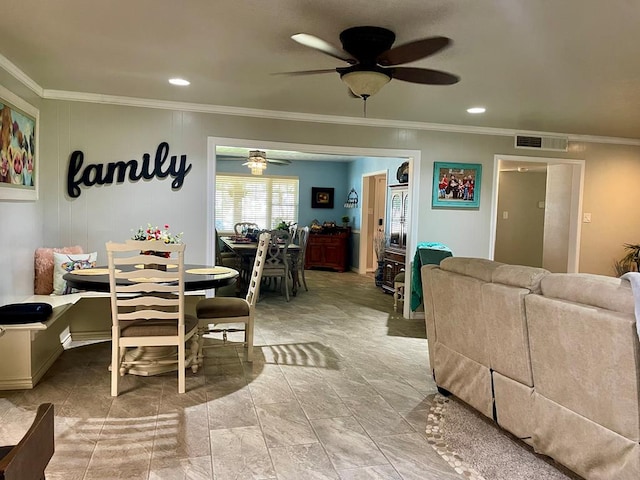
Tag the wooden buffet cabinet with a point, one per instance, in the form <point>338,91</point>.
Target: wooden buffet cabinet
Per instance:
<point>395,254</point>
<point>328,250</point>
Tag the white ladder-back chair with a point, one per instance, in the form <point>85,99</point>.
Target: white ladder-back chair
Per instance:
<point>231,310</point>
<point>147,306</point>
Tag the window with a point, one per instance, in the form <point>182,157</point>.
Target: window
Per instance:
<point>264,200</point>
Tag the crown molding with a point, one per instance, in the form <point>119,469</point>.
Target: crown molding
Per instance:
<point>49,94</point>
<point>317,118</point>
<point>19,75</point>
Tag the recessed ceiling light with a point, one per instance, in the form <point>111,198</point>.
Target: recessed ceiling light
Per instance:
<point>179,81</point>
<point>476,110</point>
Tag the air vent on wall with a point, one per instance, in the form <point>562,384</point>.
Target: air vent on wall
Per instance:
<point>557,144</point>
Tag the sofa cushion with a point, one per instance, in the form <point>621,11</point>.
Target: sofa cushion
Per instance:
<point>64,263</point>
<point>43,268</point>
<point>479,268</point>
<point>520,276</point>
<point>459,314</point>
<point>587,448</point>
<point>507,335</point>
<point>595,290</point>
<point>587,360</point>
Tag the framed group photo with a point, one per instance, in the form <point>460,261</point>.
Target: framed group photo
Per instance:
<point>456,185</point>
<point>18,148</point>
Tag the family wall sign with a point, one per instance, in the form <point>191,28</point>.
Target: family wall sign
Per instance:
<point>99,174</point>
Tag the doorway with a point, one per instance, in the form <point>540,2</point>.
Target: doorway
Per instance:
<point>547,216</point>
<point>412,156</point>
<point>374,206</point>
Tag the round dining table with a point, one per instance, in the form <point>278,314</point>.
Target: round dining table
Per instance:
<point>196,278</point>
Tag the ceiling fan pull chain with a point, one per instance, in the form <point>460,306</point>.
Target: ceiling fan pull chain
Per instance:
<point>364,100</point>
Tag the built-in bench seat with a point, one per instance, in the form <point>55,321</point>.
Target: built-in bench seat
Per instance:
<point>28,350</point>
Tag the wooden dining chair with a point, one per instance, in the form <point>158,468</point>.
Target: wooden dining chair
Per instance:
<point>241,228</point>
<point>28,459</point>
<point>147,307</point>
<point>213,312</point>
<point>277,264</point>
<point>225,258</point>
<point>302,236</point>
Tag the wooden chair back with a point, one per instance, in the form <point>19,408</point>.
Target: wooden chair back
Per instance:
<point>276,264</point>
<point>28,459</point>
<point>303,238</point>
<point>146,291</point>
<point>253,291</point>
<point>241,228</point>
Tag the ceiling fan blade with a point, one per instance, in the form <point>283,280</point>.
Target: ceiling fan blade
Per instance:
<point>279,161</point>
<point>425,76</point>
<point>323,46</point>
<point>306,72</point>
<point>412,51</point>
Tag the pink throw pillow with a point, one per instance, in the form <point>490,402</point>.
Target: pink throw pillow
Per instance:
<point>43,268</point>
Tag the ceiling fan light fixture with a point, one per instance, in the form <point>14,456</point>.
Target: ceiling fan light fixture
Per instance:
<point>257,162</point>
<point>365,83</point>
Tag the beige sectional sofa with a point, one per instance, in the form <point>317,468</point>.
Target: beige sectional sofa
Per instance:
<point>552,358</point>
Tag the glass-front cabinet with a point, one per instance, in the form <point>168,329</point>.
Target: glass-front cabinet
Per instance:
<point>395,253</point>
<point>398,215</point>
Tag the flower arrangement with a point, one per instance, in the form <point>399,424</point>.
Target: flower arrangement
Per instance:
<point>284,225</point>
<point>155,233</point>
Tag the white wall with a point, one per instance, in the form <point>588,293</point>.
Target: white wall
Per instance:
<point>21,230</point>
<point>107,133</point>
<point>111,133</point>
<point>557,218</point>
<point>519,237</point>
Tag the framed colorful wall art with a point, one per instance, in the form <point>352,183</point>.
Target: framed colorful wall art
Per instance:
<point>18,148</point>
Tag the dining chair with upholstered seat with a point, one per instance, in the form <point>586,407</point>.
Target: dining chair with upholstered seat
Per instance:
<point>241,228</point>
<point>213,312</point>
<point>29,458</point>
<point>302,236</point>
<point>225,258</point>
<point>148,308</point>
<point>277,263</point>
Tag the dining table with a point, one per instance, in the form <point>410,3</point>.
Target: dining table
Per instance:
<point>197,279</point>
<point>246,249</point>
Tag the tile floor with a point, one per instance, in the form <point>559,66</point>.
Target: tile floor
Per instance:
<point>339,389</point>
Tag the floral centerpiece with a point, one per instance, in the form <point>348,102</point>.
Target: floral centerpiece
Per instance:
<point>156,233</point>
<point>281,224</point>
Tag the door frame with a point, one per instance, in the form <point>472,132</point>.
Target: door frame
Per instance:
<point>575,222</point>
<point>412,156</point>
<point>366,243</point>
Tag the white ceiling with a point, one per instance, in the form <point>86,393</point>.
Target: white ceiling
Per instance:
<point>564,66</point>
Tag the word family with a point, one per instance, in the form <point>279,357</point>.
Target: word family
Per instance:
<point>99,174</point>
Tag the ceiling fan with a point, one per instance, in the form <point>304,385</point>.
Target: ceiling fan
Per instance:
<point>372,61</point>
<point>256,160</point>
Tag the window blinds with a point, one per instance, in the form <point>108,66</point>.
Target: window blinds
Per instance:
<point>265,200</point>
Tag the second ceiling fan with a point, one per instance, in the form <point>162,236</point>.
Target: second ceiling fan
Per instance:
<point>372,61</point>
